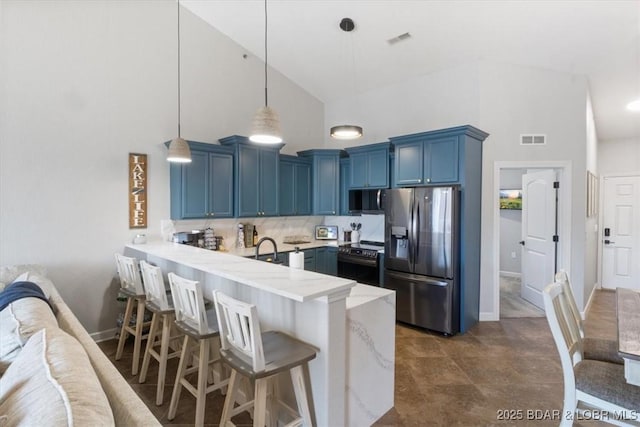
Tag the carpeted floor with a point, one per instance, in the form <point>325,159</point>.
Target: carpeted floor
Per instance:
<point>511,303</point>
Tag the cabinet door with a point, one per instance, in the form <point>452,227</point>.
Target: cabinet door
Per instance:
<point>409,164</point>
<point>441,160</point>
<point>287,190</point>
<point>344,186</point>
<point>358,170</point>
<point>331,261</point>
<point>326,185</point>
<point>248,181</point>
<point>220,185</point>
<point>321,255</point>
<point>302,185</point>
<point>377,172</point>
<point>195,182</point>
<point>310,260</point>
<point>268,183</point>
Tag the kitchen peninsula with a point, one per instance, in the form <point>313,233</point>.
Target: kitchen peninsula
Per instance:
<point>352,325</point>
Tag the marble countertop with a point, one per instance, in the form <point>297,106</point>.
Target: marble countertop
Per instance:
<point>298,285</point>
<point>362,294</point>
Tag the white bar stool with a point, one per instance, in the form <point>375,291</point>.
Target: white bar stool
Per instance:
<point>260,357</point>
<point>201,333</point>
<point>162,326</point>
<point>131,286</point>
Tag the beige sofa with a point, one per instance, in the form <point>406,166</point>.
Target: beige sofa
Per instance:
<point>53,373</point>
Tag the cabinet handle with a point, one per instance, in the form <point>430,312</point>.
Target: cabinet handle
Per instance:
<point>212,214</point>
<point>428,179</point>
<point>419,180</point>
<point>333,212</point>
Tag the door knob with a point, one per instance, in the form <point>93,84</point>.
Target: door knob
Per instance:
<point>608,242</point>
<point>521,242</point>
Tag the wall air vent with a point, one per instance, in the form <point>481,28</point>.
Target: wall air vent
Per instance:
<point>533,139</point>
<point>399,38</point>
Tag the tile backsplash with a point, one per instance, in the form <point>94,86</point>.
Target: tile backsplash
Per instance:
<point>280,227</point>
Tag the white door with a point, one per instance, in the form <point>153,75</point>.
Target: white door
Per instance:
<point>621,233</point>
<point>538,229</point>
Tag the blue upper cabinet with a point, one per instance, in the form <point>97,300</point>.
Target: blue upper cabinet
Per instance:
<point>204,187</point>
<point>295,186</point>
<point>345,177</point>
<point>429,157</point>
<point>325,181</point>
<point>369,166</point>
<point>256,176</point>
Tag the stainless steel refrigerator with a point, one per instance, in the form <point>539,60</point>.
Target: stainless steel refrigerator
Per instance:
<point>421,256</point>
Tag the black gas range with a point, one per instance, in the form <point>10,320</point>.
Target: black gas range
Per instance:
<point>361,262</point>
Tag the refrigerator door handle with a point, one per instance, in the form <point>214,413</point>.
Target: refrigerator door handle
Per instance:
<point>417,230</point>
<point>416,279</point>
<point>412,235</point>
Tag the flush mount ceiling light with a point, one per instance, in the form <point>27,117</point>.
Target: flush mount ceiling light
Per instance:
<point>266,124</point>
<point>179,151</point>
<point>634,105</point>
<point>347,131</point>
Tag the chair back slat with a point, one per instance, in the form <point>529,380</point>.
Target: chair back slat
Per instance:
<point>563,278</point>
<point>129,273</point>
<point>188,303</point>
<point>154,285</point>
<point>240,328</point>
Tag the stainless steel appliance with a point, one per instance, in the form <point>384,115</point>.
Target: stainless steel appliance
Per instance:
<point>366,201</point>
<point>360,262</point>
<point>421,265</point>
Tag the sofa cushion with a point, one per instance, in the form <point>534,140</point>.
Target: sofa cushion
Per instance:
<point>9,273</point>
<point>52,382</point>
<point>18,322</point>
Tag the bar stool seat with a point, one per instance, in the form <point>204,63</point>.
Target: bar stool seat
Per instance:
<point>132,288</point>
<point>162,332</point>
<point>260,356</point>
<point>201,342</point>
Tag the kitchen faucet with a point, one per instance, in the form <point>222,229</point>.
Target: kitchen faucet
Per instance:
<point>275,247</point>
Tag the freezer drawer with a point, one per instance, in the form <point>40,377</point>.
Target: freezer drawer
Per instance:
<point>424,301</point>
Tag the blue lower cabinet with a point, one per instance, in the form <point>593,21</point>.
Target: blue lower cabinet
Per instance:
<point>327,260</point>
<point>310,260</point>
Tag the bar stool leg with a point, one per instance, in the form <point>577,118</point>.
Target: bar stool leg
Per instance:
<point>203,374</point>
<point>138,340</point>
<point>232,390</point>
<point>260,403</point>
<point>164,354</point>
<point>299,377</point>
<point>153,330</point>
<point>123,331</point>
<point>177,388</point>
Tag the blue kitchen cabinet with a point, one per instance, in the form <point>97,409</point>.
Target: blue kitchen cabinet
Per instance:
<point>327,260</point>
<point>295,186</point>
<point>325,181</point>
<point>204,187</point>
<point>344,186</point>
<point>310,260</point>
<point>369,166</point>
<point>256,177</point>
<point>426,158</point>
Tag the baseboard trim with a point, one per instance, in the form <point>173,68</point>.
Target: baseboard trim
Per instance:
<point>589,301</point>
<point>489,316</point>
<point>510,274</point>
<point>109,334</point>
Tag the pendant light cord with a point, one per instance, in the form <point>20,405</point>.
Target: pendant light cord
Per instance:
<point>179,99</point>
<point>266,98</point>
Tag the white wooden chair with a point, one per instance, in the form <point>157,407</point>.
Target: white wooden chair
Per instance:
<point>162,332</point>
<point>201,334</point>
<point>592,348</point>
<point>260,356</point>
<point>595,383</point>
<point>132,288</point>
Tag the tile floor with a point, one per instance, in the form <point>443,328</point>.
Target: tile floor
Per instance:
<point>467,380</point>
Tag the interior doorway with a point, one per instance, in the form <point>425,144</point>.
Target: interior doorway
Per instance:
<point>508,297</point>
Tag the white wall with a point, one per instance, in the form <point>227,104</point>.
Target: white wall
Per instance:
<point>82,85</point>
<point>591,223</point>
<point>505,101</point>
<point>511,225</point>
<point>619,156</point>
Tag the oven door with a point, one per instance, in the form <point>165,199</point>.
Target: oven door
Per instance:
<point>362,270</point>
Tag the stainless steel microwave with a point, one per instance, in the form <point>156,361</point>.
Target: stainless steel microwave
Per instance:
<point>366,202</point>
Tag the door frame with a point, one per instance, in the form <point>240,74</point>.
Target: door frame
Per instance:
<point>600,214</point>
<point>564,220</point>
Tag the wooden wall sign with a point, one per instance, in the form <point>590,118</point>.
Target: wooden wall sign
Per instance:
<point>137,190</point>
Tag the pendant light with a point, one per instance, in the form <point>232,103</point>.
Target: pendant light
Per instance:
<point>179,151</point>
<point>266,124</point>
<point>347,131</point>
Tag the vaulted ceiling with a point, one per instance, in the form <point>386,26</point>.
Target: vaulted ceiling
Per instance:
<point>599,39</point>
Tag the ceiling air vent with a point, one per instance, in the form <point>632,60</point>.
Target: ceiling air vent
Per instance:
<point>533,139</point>
<point>399,38</point>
